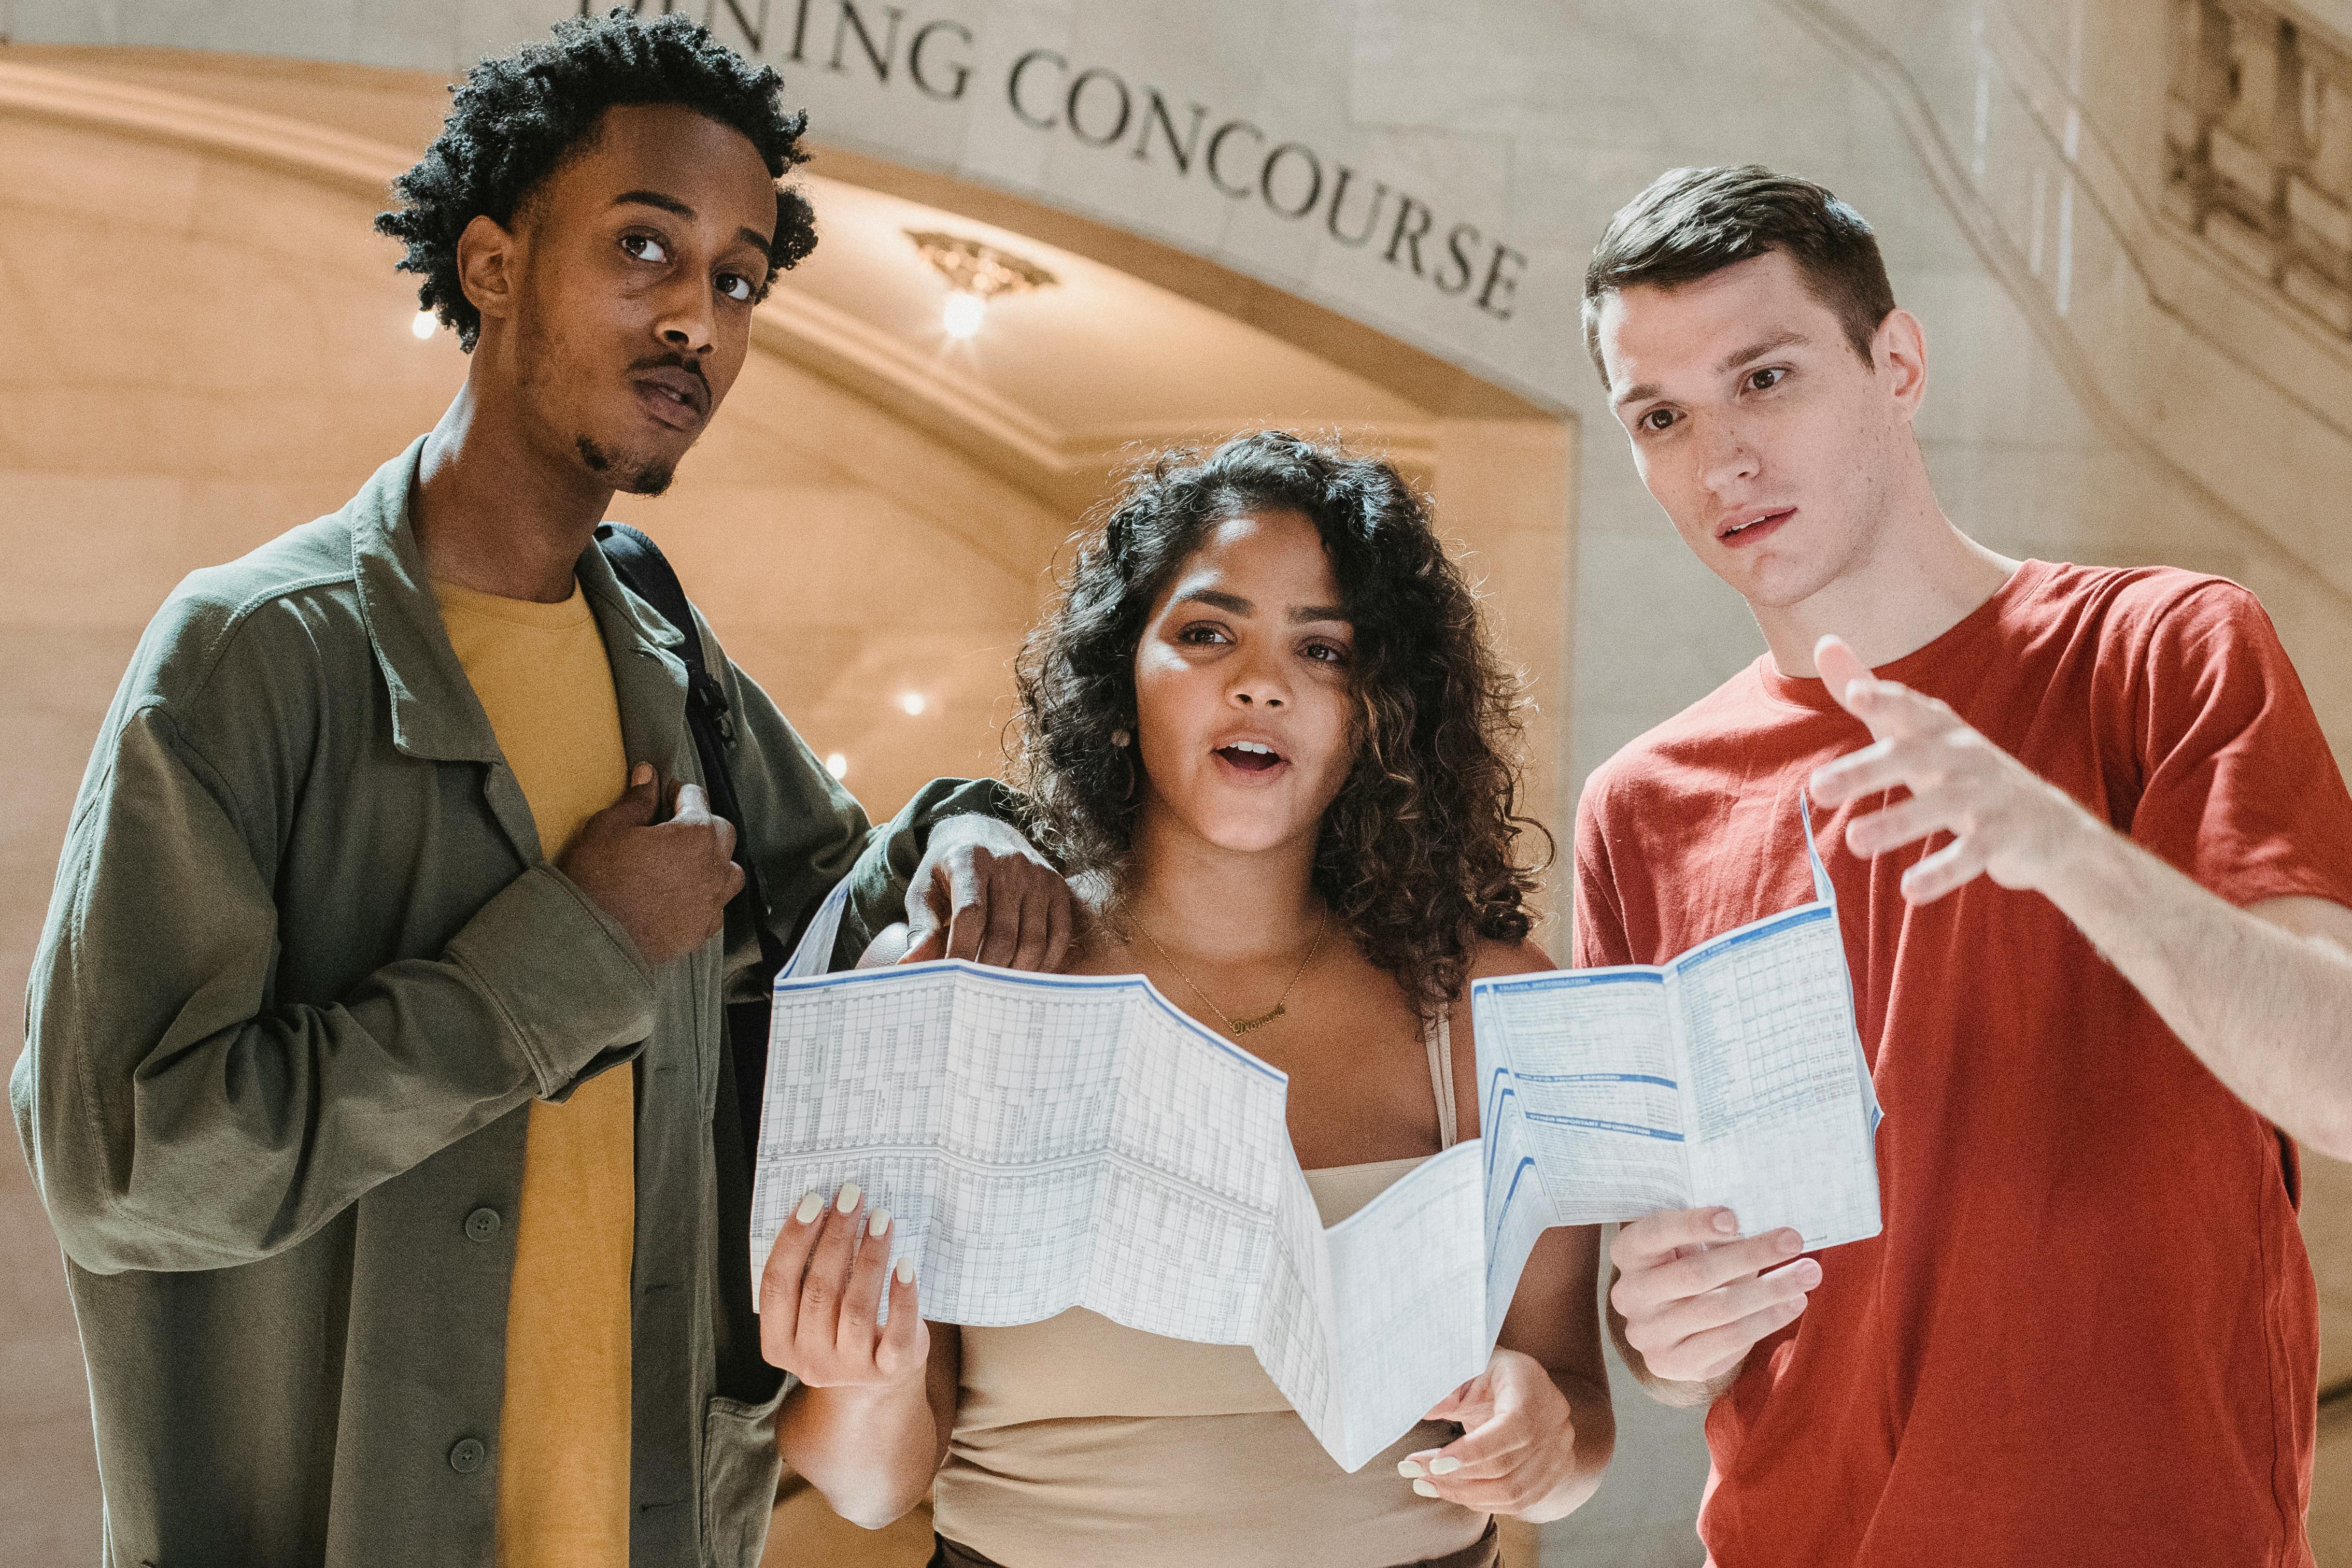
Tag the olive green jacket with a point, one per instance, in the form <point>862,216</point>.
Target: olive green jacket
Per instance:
<point>304,968</point>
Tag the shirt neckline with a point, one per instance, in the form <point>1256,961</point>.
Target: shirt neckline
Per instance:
<point>560,616</point>
<point>1811,694</point>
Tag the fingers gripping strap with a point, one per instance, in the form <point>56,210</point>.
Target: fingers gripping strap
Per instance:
<point>815,954</point>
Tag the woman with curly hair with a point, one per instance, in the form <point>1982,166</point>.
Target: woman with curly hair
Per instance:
<point>1265,731</point>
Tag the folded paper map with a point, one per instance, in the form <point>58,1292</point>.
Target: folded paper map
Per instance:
<point>1046,1142</point>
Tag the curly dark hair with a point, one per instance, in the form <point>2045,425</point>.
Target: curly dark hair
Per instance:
<point>517,118</point>
<point>1417,856</point>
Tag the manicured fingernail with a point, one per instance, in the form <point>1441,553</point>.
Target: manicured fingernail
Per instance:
<point>1789,1242</point>
<point>1424,1489</point>
<point>1808,1273</point>
<point>879,1223</point>
<point>811,1206</point>
<point>905,1270</point>
<point>1443,1465</point>
<point>850,1193</point>
<point>1411,1469</point>
<point>1727,1222</point>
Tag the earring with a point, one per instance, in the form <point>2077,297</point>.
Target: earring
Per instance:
<point>1122,742</point>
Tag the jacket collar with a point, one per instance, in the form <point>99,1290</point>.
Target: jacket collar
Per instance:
<point>435,713</point>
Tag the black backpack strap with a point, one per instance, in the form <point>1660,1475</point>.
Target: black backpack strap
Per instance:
<point>742,1077</point>
<point>638,562</point>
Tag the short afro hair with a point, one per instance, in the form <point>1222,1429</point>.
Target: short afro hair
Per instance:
<point>517,118</point>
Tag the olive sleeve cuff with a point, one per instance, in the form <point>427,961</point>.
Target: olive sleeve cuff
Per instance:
<point>568,981</point>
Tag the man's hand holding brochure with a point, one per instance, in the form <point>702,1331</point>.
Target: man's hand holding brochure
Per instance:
<point>1046,1142</point>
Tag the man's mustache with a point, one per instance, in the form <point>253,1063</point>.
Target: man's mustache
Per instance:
<point>674,360</point>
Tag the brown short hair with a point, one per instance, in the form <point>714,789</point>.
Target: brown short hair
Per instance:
<point>1693,221</point>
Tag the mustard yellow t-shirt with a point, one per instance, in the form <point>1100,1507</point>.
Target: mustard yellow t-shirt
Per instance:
<point>543,676</point>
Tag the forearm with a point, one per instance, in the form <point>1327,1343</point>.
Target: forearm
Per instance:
<point>1596,1440</point>
<point>2267,1009</point>
<point>871,1451</point>
<point>174,1123</point>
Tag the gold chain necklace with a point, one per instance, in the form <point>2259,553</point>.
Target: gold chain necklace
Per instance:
<point>1242,1026</point>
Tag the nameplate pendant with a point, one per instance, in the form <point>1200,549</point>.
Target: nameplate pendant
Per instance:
<point>1243,1026</point>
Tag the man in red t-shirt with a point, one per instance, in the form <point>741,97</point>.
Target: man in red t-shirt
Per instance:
<point>2096,859</point>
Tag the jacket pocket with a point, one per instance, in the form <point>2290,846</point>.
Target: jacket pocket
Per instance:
<point>739,1472</point>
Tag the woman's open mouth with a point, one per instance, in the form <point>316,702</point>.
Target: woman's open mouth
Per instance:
<point>1252,758</point>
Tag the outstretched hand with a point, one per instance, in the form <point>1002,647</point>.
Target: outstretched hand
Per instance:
<point>2006,822</point>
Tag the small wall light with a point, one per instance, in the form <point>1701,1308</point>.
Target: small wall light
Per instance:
<point>960,316</point>
<point>975,273</point>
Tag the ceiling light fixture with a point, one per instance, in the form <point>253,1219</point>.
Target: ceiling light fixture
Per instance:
<point>975,273</point>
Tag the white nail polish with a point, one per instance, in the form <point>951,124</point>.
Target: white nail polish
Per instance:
<point>1409,1469</point>
<point>811,1206</point>
<point>879,1223</point>
<point>850,1194</point>
<point>1443,1465</point>
<point>905,1270</point>
<point>1424,1489</point>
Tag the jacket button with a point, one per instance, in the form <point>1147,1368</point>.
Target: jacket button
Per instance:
<point>481,1225</point>
<point>465,1455</point>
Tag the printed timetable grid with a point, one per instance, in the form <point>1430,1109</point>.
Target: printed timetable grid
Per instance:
<point>1405,1331</point>
<point>1773,1057</point>
<point>1732,1075</point>
<point>1764,1016</point>
<point>1596,1096</point>
<point>1295,1331</point>
<point>1050,1142</point>
<point>1046,1142</point>
<point>989,1118</point>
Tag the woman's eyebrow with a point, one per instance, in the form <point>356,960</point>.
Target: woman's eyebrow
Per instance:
<point>1234,604</point>
<point>1217,599</point>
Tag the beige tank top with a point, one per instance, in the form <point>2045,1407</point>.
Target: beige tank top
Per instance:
<point>1079,1441</point>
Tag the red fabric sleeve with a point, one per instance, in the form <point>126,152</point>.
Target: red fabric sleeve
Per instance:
<point>2240,788</point>
<point>1597,939</point>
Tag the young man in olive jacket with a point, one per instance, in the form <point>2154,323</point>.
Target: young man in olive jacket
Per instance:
<point>375,1040</point>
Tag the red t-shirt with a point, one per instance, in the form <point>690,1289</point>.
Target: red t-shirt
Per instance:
<point>2088,1333</point>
